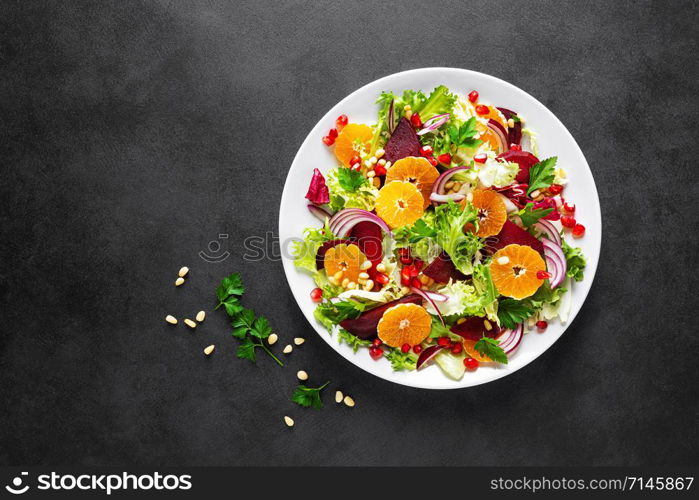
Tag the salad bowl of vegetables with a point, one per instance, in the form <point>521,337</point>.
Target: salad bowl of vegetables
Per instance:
<point>440,228</point>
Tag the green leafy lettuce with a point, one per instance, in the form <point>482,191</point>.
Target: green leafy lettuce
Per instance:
<point>350,189</point>
<point>304,251</point>
<point>575,259</point>
<point>449,222</point>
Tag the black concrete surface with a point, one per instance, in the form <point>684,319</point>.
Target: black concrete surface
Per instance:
<point>132,134</point>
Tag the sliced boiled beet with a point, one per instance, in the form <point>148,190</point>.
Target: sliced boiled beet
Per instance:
<point>364,326</point>
<point>442,269</point>
<point>368,237</point>
<point>403,142</point>
<point>524,159</point>
<point>510,234</point>
<point>514,133</point>
<point>474,329</point>
<point>320,255</point>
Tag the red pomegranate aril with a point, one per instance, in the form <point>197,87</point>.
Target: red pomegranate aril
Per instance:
<point>541,325</point>
<point>471,364</point>
<point>357,167</point>
<point>568,221</point>
<point>404,252</point>
<point>433,161</point>
<point>569,207</point>
<point>444,341</point>
<point>406,260</point>
<point>515,147</point>
<point>417,349</point>
<point>418,264</point>
<point>473,96</point>
<point>480,158</point>
<point>444,159</point>
<point>405,281</point>
<point>381,279</point>
<point>333,133</point>
<point>555,189</point>
<point>316,295</point>
<point>482,109</point>
<point>457,348</point>
<point>426,151</point>
<point>341,121</point>
<point>578,231</point>
<point>416,283</point>
<point>329,141</point>
<point>376,342</point>
<point>355,159</point>
<point>405,348</point>
<point>543,275</point>
<point>380,170</point>
<point>415,120</point>
<point>375,352</point>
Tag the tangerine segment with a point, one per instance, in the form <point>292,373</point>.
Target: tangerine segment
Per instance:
<point>416,171</point>
<point>354,138</point>
<point>469,347</point>
<point>404,324</point>
<point>492,212</point>
<point>345,258</point>
<point>399,203</point>
<point>514,269</point>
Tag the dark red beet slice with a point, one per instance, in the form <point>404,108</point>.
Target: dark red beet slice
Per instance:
<point>524,159</point>
<point>364,326</point>
<point>510,234</point>
<point>320,255</point>
<point>369,238</point>
<point>442,268</point>
<point>403,142</point>
<point>474,329</point>
<point>514,133</point>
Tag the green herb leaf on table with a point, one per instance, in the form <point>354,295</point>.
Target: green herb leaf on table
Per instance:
<point>242,323</point>
<point>350,180</point>
<point>246,350</point>
<point>511,312</point>
<point>542,174</point>
<point>308,397</point>
<point>531,215</point>
<point>489,347</point>
<point>228,293</point>
<point>261,328</point>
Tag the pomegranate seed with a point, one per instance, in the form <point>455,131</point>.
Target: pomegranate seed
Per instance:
<point>426,151</point>
<point>380,170</point>
<point>541,325</point>
<point>357,167</point>
<point>381,279</point>
<point>329,141</point>
<point>375,352</point>
<point>418,264</point>
<point>555,188</point>
<point>405,348</point>
<point>316,295</point>
<point>444,159</point>
<point>333,133</point>
<point>473,96</point>
<point>414,271</point>
<point>341,121</point>
<point>578,231</point>
<point>415,120</point>
<point>471,364</point>
<point>376,342</point>
<point>568,207</point>
<point>568,221</point>
<point>417,349</point>
<point>480,158</point>
<point>404,252</point>
<point>515,147</point>
<point>406,260</point>
<point>433,161</point>
<point>355,159</point>
<point>482,109</point>
<point>543,275</point>
<point>416,283</point>
<point>444,341</point>
<point>405,281</point>
<point>457,348</point>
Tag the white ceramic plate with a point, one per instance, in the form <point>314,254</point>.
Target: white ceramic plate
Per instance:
<point>553,140</point>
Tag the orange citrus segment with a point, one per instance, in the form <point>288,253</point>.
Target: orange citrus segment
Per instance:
<point>404,324</point>
<point>399,203</point>
<point>469,347</point>
<point>345,258</point>
<point>417,171</point>
<point>514,269</point>
<point>492,212</point>
<point>354,138</point>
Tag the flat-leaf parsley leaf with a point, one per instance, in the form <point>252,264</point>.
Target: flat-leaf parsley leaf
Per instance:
<point>308,396</point>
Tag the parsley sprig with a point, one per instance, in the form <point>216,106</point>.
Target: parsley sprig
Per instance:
<point>511,312</point>
<point>542,174</point>
<point>531,215</point>
<point>308,396</point>
<point>489,347</point>
<point>350,180</point>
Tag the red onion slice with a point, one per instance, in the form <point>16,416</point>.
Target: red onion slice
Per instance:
<point>501,134</point>
<point>437,297</point>
<point>556,261</point>
<point>511,339</point>
<point>433,124</point>
<point>319,212</point>
<point>427,355</point>
<point>444,198</point>
<point>342,222</point>
<point>424,295</point>
<point>439,185</point>
<point>549,230</point>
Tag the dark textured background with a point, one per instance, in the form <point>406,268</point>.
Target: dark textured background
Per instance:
<point>132,134</point>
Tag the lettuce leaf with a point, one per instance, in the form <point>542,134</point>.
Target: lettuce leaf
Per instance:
<point>449,224</point>
<point>575,259</point>
<point>348,191</point>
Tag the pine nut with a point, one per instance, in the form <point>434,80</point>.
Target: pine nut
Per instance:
<point>289,421</point>
<point>424,279</point>
<point>190,323</point>
<point>201,315</point>
<point>183,272</point>
<point>535,193</point>
<point>332,280</point>
<point>349,401</point>
<point>338,396</point>
<point>365,265</point>
<point>504,260</point>
<point>408,114</point>
<point>299,340</point>
<point>345,282</point>
<point>364,276</point>
<point>407,107</point>
<point>301,375</point>
<point>381,162</point>
<point>449,185</point>
<point>272,339</point>
<point>209,349</point>
<point>361,281</point>
<point>381,267</point>
<point>171,319</point>
<point>288,349</point>
<point>351,285</point>
<point>370,174</point>
<point>405,290</point>
<point>373,160</point>
<point>469,197</point>
<point>380,152</point>
<point>456,186</point>
<point>460,320</point>
<point>179,281</point>
<point>510,123</point>
<point>388,165</point>
<point>487,324</point>
<point>367,163</point>
<point>369,285</point>
<point>338,275</point>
